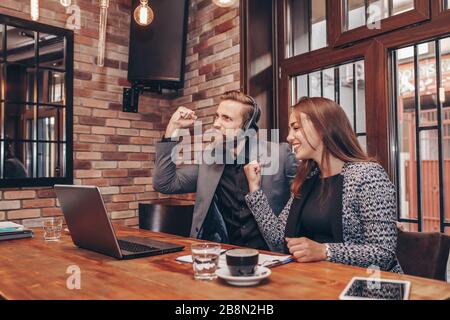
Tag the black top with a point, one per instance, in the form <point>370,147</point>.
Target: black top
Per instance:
<point>241,225</point>
<point>231,191</point>
<point>322,221</point>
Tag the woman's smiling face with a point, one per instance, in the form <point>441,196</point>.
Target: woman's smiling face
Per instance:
<point>304,139</point>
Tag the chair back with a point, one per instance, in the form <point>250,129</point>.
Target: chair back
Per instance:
<point>423,254</point>
<point>167,216</point>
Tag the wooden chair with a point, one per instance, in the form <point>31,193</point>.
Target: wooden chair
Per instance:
<point>423,254</point>
<point>167,216</point>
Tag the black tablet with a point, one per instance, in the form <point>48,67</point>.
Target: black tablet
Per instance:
<point>376,289</point>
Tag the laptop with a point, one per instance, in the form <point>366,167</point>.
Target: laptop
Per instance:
<point>91,228</point>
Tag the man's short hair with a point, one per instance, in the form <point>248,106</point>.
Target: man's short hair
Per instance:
<point>238,96</point>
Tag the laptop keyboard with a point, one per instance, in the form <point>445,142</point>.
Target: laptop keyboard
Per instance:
<point>134,247</point>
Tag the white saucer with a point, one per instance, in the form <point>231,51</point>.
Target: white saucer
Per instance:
<point>260,274</point>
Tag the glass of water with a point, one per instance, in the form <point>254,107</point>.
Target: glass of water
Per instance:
<point>52,228</point>
<point>205,257</point>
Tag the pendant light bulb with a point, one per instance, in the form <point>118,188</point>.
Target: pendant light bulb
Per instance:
<point>34,9</point>
<point>143,14</point>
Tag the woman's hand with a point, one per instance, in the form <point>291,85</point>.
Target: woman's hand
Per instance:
<point>253,174</point>
<point>306,250</point>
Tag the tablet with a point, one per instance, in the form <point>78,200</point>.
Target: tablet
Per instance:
<point>376,289</point>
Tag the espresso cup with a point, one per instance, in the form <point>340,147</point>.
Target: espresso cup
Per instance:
<point>242,262</point>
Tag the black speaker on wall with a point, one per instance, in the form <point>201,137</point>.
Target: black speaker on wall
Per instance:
<point>157,52</point>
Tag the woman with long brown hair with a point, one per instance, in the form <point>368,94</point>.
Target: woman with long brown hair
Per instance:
<point>343,205</point>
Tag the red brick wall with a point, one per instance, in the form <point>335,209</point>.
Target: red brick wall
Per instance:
<point>116,150</point>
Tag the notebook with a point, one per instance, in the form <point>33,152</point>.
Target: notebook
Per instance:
<point>12,231</point>
<point>8,226</point>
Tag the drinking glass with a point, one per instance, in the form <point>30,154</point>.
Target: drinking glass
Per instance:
<point>52,228</point>
<point>205,257</point>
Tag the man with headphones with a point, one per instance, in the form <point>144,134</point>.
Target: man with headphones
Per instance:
<point>221,213</point>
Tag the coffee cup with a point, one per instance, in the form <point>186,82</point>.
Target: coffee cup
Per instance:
<point>242,262</point>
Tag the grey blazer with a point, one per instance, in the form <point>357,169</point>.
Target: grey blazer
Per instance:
<point>207,222</point>
<point>368,218</point>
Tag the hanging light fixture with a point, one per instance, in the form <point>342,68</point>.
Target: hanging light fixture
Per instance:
<point>104,4</point>
<point>225,3</point>
<point>65,3</point>
<point>143,14</point>
<point>34,9</point>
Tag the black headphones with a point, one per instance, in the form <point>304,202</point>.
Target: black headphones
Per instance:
<point>252,123</point>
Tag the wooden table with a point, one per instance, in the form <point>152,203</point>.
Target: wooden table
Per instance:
<point>34,269</point>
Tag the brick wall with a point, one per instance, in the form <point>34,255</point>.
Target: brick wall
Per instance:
<point>116,150</point>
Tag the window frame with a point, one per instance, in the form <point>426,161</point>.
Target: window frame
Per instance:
<point>407,38</point>
<point>375,50</point>
<point>339,37</point>
<point>438,8</point>
<point>283,30</point>
<point>68,143</point>
<point>376,131</point>
<point>337,91</point>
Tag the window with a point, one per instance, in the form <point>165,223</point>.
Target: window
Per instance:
<point>440,8</point>
<point>359,13</point>
<point>307,26</point>
<point>421,74</point>
<point>393,83</point>
<point>344,84</point>
<point>358,20</point>
<point>35,104</point>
